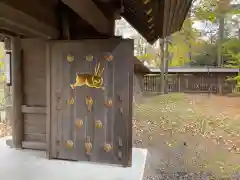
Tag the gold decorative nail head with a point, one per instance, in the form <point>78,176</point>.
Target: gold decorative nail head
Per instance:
<point>88,147</point>
<point>79,123</point>
<point>70,101</point>
<point>98,124</point>
<point>89,103</point>
<point>107,147</point>
<point>108,57</point>
<point>70,58</point>
<point>89,58</point>
<point>108,103</point>
<point>69,144</point>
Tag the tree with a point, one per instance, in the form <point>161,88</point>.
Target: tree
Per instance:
<point>232,53</point>
<point>184,44</point>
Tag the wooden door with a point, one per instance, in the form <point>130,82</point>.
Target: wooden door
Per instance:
<point>91,100</point>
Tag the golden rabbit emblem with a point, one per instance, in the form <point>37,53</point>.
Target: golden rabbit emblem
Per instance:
<point>90,80</point>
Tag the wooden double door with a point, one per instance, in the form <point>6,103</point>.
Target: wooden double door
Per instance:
<point>91,100</point>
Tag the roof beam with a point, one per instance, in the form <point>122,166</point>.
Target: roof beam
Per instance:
<point>18,22</point>
<point>88,11</point>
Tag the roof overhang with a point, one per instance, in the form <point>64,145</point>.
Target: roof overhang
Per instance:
<point>139,67</point>
<point>198,70</point>
<point>155,19</point>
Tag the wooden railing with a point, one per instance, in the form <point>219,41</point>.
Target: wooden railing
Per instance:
<point>189,83</point>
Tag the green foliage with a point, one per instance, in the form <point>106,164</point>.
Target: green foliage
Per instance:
<point>146,57</point>
<point>206,57</point>
<point>2,50</point>
<point>183,43</point>
<point>205,10</point>
<point>232,53</point>
<point>150,58</point>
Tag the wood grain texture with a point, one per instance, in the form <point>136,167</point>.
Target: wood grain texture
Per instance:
<point>38,22</point>
<point>33,110</point>
<point>34,90</point>
<point>34,72</point>
<point>17,93</point>
<point>96,18</point>
<point>116,81</point>
<point>34,145</point>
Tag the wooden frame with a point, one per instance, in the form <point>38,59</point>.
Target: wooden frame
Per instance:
<point>9,68</point>
<point>20,23</point>
<point>17,94</point>
<point>96,18</point>
<point>49,104</point>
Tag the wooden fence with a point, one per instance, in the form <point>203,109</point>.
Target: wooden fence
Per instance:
<point>189,83</point>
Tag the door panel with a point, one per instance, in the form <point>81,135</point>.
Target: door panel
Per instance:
<point>100,131</point>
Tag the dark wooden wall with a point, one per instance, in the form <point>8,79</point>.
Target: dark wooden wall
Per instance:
<point>34,78</point>
<point>43,10</point>
<point>34,94</point>
<point>191,82</point>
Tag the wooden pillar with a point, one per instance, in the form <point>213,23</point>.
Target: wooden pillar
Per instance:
<point>17,94</point>
<point>179,83</point>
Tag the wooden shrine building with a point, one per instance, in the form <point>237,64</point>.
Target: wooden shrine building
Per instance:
<point>72,79</point>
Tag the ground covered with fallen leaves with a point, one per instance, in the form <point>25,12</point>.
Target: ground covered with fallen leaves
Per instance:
<point>189,136</point>
<point>5,130</point>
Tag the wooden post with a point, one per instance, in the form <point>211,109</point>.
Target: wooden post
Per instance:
<point>7,88</point>
<point>48,122</point>
<point>17,94</point>
<point>162,66</point>
<point>179,83</point>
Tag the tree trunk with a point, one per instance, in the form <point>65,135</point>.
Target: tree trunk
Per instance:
<point>162,66</point>
<point>239,33</point>
<point>166,63</point>
<point>220,42</point>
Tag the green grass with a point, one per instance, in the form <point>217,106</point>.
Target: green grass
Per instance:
<point>212,142</point>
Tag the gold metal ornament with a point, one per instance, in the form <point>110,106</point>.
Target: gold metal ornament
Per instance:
<point>107,147</point>
<point>89,58</point>
<point>69,144</point>
<point>89,103</point>
<point>70,101</point>
<point>149,12</point>
<point>150,19</point>
<point>88,145</point>
<point>70,58</point>
<point>108,103</point>
<point>98,124</point>
<point>108,57</point>
<point>94,80</point>
<point>79,123</point>
<point>146,1</point>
